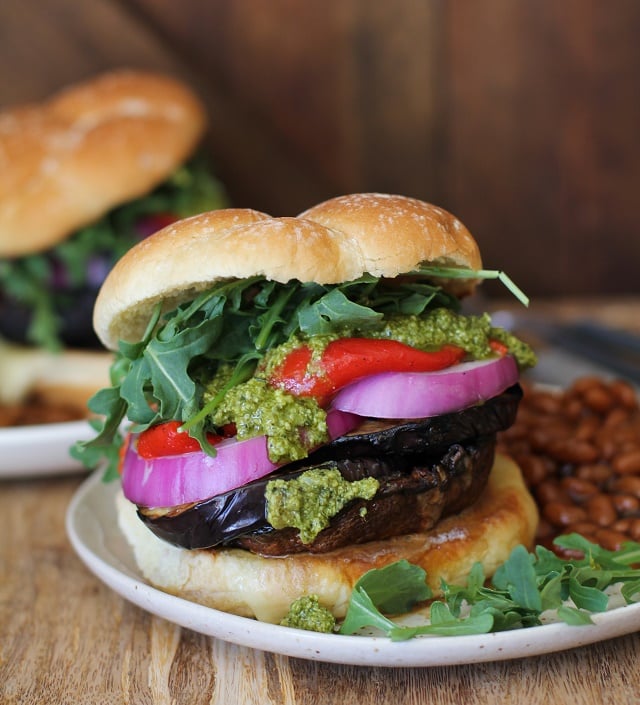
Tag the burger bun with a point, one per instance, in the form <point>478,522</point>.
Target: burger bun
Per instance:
<point>337,241</point>
<point>66,162</point>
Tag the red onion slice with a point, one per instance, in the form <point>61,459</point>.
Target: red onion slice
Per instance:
<point>169,481</point>
<point>414,395</point>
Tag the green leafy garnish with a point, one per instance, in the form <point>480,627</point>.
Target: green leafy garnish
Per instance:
<point>524,587</point>
<point>164,376</point>
<point>30,280</point>
<point>234,323</point>
<point>394,589</point>
<point>459,273</point>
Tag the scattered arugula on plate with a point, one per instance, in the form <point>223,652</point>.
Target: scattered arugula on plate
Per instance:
<point>521,590</point>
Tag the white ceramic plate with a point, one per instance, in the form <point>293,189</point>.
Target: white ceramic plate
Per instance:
<point>43,449</point>
<point>95,536</point>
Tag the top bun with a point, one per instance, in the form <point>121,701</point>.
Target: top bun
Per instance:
<point>333,242</point>
<point>66,162</point>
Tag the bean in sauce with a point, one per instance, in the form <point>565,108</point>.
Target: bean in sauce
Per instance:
<point>579,451</point>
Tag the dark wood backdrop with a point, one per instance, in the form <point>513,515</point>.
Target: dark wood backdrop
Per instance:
<point>520,116</point>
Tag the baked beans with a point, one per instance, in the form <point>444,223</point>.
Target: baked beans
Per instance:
<point>579,451</point>
<point>35,411</point>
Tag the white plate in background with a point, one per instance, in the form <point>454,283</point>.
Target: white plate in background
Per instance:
<point>42,449</point>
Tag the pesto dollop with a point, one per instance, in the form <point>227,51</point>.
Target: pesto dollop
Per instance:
<point>439,327</point>
<point>443,326</point>
<point>293,425</point>
<point>309,501</point>
<point>258,409</point>
<point>523,353</point>
<point>307,613</point>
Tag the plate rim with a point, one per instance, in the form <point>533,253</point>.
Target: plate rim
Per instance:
<point>28,443</point>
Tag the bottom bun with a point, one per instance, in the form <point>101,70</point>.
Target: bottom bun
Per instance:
<point>236,581</point>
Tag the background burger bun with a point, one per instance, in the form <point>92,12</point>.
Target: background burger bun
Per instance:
<point>237,581</point>
<point>336,241</point>
<point>70,377</point>
<point>65,162</point>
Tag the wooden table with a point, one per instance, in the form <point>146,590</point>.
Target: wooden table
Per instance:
<point>66,638</point>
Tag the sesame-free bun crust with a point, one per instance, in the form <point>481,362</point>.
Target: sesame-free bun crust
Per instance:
<point>236,581</point>
<point>334,242</point>
<point>67,161</point>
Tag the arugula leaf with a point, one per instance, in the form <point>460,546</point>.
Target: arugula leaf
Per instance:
<point>588,598</point>
<point>364,613</point>
<point>395,589</point>
<point>595,555</point>
<point>460,273</point>
<point>631,590</point>
<point>523,587</point>
<point>234,323</point>
<point>574,617</point>
<point>105,447</point>
<point>443,623</point>
<point>322,316</point>
<point>517,577</point>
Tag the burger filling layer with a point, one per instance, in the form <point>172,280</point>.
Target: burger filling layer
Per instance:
<point>301,417</point>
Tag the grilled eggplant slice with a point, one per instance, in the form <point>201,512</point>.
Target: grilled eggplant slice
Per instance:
<point>426,468</point>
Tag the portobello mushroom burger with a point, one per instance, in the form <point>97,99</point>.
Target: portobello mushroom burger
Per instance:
<point>306,402</point>
<point>85,175</point>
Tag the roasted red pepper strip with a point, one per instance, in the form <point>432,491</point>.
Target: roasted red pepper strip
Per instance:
<point>347,359</point>
<point>165,439</point>
<point>498,347</point>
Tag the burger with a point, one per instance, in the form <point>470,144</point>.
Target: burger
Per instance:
<point>305,401</point>
<point>106,162</point>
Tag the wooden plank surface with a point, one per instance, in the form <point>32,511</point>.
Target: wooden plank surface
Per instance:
<point>521,117</point>
<point>347,92</point>
<point>47,45</point>
<point>541,154</point>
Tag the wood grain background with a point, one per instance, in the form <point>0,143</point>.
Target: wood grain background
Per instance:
<point>520,117</point>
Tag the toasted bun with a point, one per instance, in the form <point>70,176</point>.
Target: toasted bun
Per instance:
<point>71,376</point>
<point>367,233</point>
<point>234,580</point>
<point>66,162</point>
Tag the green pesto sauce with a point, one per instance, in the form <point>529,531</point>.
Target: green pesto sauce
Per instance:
<point>310,501</point>
<point>439,327</point>
<point>317,344</point>
<point>307,613</point>
<point>523,353</point>
<point>443,326</point>
<point>258,409</point>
